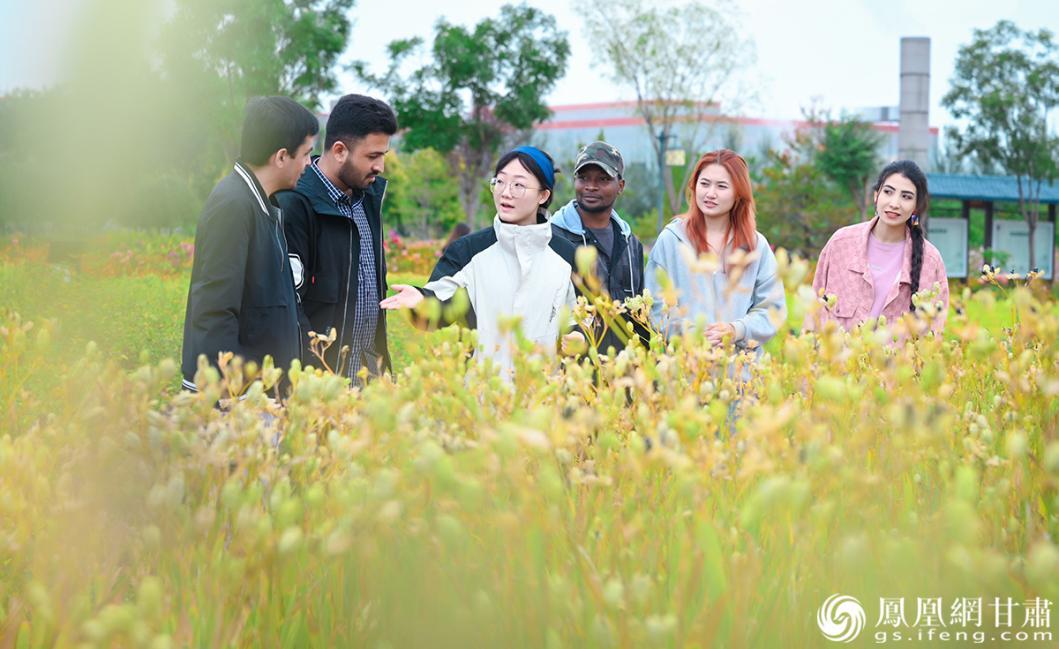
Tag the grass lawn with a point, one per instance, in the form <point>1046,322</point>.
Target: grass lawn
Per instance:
<point>136,320</point>
<point>140,319</point>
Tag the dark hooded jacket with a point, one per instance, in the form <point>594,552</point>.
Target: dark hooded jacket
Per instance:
<point>324,250</point>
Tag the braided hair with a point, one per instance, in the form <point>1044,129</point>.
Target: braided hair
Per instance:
<point>913,173</point>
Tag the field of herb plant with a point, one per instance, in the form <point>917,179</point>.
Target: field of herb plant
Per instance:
<point>649,501</point>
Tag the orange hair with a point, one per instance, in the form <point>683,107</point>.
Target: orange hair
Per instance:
<point>742,229</point>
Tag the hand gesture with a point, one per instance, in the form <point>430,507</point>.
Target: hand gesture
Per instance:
<point>573,344</point>
<point>716,333</point>
<point>407,297</point>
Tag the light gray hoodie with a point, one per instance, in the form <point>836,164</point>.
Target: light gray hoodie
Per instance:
<point>748,307</point>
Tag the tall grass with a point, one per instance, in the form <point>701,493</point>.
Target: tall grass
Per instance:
<point>579,506</point>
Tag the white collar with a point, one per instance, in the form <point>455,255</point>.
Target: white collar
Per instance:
<point>522,237</point>
<point>250,182</point>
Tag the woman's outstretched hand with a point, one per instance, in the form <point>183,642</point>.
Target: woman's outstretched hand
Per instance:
<point>716,333</point>
<point>407,297</point>
<point>573,344</point>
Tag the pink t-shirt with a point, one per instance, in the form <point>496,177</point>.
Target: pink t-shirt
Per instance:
<point>884,260</point>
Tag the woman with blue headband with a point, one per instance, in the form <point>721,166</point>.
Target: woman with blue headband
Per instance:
<point>513,268</point>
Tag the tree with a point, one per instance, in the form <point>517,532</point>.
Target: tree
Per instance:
<point>23,167</point>
<point>151,99</point>
<point>484,88</point>
<point>219,53</point>
<point>849,156</point>
<point>947,160</point>
<point>798,205</point>
<point>1005,87</point>
<point>423,202</point>
<point>679,60</point>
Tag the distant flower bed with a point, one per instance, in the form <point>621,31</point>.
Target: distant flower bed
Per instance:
<point>108,255</point>
<point>17,250</point>
<point>151,256</point>
<point>139,254</point>
<point>405,256</point>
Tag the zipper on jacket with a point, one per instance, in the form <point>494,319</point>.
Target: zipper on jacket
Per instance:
<point>345,304</point>
<point>297,298</point>
<point>632,275</point>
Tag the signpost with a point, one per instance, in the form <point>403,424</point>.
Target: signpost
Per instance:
<point>1012,237</point>
<point>676,158</point>
<point>663,158</point>
<point>949,236</point>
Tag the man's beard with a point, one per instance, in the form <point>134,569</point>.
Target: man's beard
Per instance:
<point>351,178</point>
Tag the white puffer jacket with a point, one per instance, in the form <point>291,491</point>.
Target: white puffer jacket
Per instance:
<point>509,270</point>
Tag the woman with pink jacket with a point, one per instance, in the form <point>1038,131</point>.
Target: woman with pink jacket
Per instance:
<point>874,268</point>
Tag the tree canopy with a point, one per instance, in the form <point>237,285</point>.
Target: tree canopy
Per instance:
<point>482,89</point>
<point>151,101</point>
<point>679,60</point>
<point>1004,90</point>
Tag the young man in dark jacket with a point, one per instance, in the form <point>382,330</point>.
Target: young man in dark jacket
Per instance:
<point>242,296</point>
<point>333,221</point>
<point>591,220</point>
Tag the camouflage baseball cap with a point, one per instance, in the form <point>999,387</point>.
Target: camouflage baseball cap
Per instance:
<point>603,155</point>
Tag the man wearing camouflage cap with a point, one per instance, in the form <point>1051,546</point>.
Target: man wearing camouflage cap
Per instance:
<point>591,220</point>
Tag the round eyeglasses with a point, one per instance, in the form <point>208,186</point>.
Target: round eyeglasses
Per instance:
<point>515,189</point>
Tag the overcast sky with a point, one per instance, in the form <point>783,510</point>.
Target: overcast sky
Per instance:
<point>843,52</point>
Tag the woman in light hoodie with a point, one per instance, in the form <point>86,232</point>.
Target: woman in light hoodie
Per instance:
<point>513,268</point>
<point>740,297</point>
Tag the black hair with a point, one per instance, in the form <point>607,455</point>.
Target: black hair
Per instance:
<point>461,230</point>
<point>274,123</point>
<point>356,116</point>
<point>531,165</point>
<point>912,172</point>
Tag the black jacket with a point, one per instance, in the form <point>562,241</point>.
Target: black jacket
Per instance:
<point>620,271</point>
<point>242,296</point>
<point>325,246</point>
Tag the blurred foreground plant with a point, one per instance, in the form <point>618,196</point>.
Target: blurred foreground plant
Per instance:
<point>660,498</point>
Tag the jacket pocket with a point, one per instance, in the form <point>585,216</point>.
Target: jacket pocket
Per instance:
<point>267,330</point>
<point>322,288</point>
<point>848,312</point>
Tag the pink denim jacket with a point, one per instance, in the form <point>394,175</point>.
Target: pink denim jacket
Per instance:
<point>843,271</point>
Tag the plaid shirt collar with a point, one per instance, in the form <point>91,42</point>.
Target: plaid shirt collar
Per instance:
<point>337,195</point>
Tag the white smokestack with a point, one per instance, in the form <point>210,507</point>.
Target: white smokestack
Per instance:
<point>913,136</point>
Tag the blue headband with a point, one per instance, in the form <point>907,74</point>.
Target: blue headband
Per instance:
<point>542,161</point>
